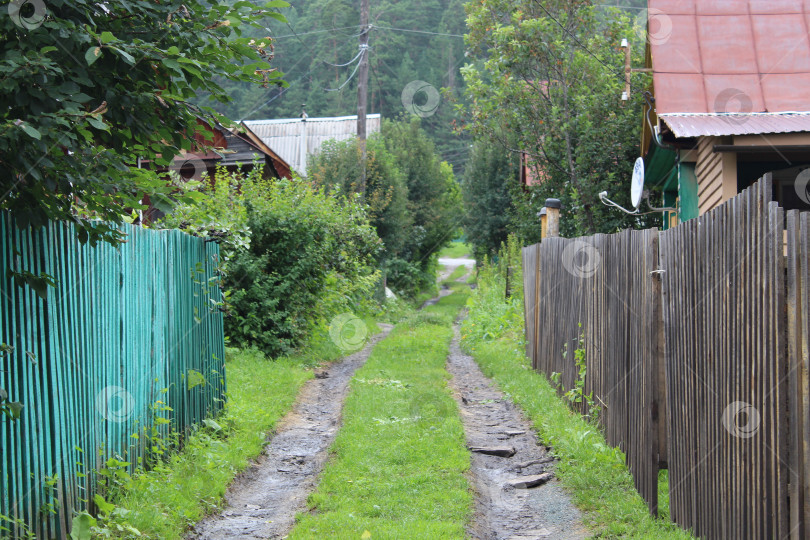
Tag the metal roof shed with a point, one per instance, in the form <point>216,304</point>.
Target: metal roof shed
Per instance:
<point>295,139</point>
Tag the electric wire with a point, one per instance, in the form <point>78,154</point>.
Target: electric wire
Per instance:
<point>298,34</point>
<point>357,67</point>
<point>417,31</point>
<point>350,62</point>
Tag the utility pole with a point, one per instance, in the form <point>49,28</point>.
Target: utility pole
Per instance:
<point>362,90</point>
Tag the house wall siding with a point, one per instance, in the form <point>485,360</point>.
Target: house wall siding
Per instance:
<point>709,171</point>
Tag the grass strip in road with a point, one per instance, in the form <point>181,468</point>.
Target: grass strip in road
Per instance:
<point>398,464</point>
<point>164,502</point>
<point>456,250</point>
<point>457,273</point>
<point>594,473</point>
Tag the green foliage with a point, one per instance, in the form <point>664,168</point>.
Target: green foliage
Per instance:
<point>218,210</point>
<point>15,528</point>
<point>294,256</point>
<point>576,395</point>
<point>310,258</point>
<point>434,197</point>
<point>90,90</point>
<point>412,198</point>
<point>487,197</point>
<point>338,166</point>
<point>536,89</point>
<point>8,409</point>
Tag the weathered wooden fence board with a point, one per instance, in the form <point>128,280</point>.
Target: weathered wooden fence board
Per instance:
<point>726,369</point>
<point>601,294</point>
<point>697,345</point>
<point>123,329</point>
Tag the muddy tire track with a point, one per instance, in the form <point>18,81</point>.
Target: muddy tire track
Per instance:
<point>492,421</point>
<point>263,501</point>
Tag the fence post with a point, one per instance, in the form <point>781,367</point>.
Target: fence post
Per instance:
<point>508,281</point>
<point>543,222</point>
<point>552,217</point>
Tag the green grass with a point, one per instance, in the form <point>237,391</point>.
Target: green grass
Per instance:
<point>397,468</point>
<point>456,250</point>
<point>595,474</point>
<point>165,502</point>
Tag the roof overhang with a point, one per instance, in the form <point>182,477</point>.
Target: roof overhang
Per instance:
<point>686,125</point>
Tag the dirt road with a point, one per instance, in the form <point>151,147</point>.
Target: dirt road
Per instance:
<point>263,501</point>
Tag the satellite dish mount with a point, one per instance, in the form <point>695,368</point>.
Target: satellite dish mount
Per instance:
<point>637,193</point>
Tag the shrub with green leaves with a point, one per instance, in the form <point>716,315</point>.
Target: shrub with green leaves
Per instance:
<point>293,255</point>
<point>412,197</point>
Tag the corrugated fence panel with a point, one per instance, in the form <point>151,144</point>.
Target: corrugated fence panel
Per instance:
<point>128,335</point>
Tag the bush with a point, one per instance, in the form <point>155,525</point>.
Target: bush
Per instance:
<point>295,256</point>
<point>413,199</point>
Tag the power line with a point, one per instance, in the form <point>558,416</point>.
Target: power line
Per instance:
<point>284,91</point>
<point>339,88</point>
<point>297,34</point>
<point>417,31</point>
<point>350,62</point>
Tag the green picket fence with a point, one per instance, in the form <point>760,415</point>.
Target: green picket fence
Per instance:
<point>126,333</point>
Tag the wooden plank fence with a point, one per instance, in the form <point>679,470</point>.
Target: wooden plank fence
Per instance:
<point>696,346</point>
<point>124,329</point>
<point>601,294</point>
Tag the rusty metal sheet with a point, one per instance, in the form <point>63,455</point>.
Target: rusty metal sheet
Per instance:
<point>730,55</point>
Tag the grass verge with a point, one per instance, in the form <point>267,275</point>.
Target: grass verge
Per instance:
<point>398,463</point>
<point>594,473</point>
<point>164,502</point>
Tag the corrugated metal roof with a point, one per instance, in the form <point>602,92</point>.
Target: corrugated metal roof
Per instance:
<point>285,135</point>
<point>730,56</point>
<point>700,125</point>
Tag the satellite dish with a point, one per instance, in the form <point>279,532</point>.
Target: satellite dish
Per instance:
<point>637,184</point>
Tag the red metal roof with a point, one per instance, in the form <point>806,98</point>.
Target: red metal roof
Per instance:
<point>730,56</point>
<point>699,125</point>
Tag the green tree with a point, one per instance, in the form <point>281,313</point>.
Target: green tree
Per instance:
<point>412,196</point>
<point>486,183</point>
<point>434,196</point>
<point>339,165</point>
<point>548,83</point>
<point>91,90</point>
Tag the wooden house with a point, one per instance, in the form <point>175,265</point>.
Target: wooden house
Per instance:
<point>238,150</point>
<point>730,101</point>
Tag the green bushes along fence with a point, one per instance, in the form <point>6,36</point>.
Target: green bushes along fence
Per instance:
<point>125,349</point>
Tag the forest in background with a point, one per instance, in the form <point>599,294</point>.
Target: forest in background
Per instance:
<point>410,40</point>
<point>405,46</point>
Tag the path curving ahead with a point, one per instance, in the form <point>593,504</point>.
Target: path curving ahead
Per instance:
<point>262,501</point>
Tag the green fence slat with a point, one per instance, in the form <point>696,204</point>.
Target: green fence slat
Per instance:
<point>132,321</point>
